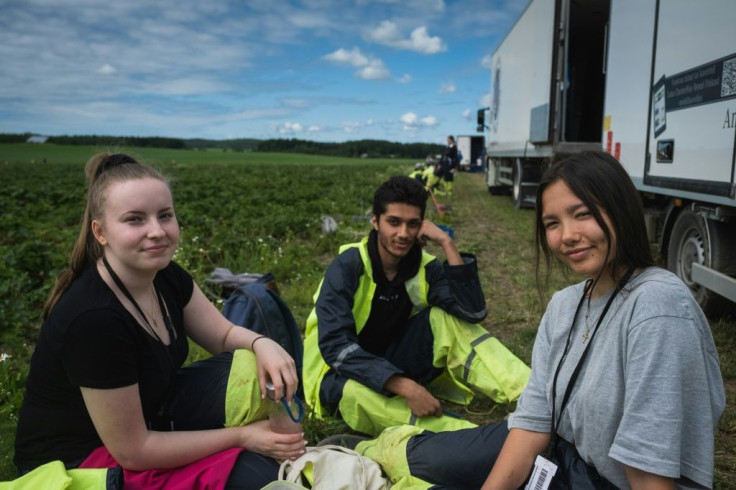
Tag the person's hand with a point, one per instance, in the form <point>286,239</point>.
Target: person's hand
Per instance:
<point>420,401</point>
<point>432,233</point>
<point>423,404</point>
<point>258,437</point>
<point>277,366</point>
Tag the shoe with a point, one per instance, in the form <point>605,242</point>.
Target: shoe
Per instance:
<point>345,440</point>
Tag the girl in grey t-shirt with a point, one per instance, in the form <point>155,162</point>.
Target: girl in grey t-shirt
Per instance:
<point>624,367</point>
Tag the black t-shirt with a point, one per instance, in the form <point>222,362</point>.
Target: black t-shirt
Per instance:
<point>391,305</point>
<point>90,340</point>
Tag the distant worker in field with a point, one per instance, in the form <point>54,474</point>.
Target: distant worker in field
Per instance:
<point>447,167</point>
<point>418,173</point>
<point>393,328</point>
<point>106,387</point>
<point>431,181</point>
<point>434,181</point>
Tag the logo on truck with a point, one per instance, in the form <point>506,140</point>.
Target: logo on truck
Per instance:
<point>705,84</point>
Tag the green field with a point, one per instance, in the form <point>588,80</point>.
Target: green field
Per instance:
<point>260,212</point>
<point>49,153</point>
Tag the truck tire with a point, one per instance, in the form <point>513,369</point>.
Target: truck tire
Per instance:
<point>695,238</point>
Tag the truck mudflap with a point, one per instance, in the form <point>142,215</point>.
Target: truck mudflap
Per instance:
<point>715,281</point>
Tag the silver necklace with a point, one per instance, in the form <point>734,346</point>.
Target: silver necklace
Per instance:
<point>152,307</point>
<point>586,334</point>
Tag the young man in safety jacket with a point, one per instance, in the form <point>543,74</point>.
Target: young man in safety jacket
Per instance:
<point>393,329</point>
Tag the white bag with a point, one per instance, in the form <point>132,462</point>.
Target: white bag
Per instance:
<point>336,468</point>
<point>329,225</point>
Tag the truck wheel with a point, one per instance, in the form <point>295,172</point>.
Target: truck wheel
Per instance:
<point>696,238</point>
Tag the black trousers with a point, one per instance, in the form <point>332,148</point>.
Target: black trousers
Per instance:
<point>198,403</point>
<point>460,459</point>
<point>412,352</point>
<point>463,459</point>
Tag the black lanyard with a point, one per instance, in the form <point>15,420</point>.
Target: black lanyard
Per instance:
<point>169,327</point>
<point>161,305</point>
<point>578,366</point>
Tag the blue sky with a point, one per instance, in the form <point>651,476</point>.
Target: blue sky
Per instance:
<point>324,70</point>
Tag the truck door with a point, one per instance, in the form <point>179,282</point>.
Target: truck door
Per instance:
<point>692,125</point>
<point>581,70</point>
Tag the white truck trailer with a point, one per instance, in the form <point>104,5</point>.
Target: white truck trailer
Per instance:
<point>652,82</point>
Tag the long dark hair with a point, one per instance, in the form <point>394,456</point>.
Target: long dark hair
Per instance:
<point>602,184</point>
<point>101,170</point>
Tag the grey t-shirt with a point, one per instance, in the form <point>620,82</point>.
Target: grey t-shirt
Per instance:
<point>650,392</point>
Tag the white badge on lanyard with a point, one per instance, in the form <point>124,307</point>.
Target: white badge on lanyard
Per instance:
<point>542,474</point>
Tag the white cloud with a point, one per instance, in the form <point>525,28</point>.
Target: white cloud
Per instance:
<point>107,69</point>
<point>423,43</point>
<point>468,114</point>
<point>369,68</point>
<point>355,126</point>
<point>375,70</point>
<point>289,128</point>
<point>486,62</point>
<point>485,101</point>
<point>308,20</point>
<point>183,86</point>
<point>387,33</point>
<point>447,88</point>
<point>245,69</point>
<point>429,6</point>
<point>429,121</point>
<point>344,57</point>
<point>411,121</point>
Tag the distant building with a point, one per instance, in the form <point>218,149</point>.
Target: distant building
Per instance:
<point>37,139</point>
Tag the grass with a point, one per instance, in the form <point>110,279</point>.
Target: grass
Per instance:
<point>254,212</point>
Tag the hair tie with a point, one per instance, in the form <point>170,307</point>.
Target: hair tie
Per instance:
<point>113,161</point>
<point>256,340</point>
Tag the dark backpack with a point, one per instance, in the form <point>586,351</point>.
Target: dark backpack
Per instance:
<point>258,308</point>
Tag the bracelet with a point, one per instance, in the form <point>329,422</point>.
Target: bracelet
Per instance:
<point>256,340</point>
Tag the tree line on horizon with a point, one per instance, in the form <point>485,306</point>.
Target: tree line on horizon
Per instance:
<point>367,148</point>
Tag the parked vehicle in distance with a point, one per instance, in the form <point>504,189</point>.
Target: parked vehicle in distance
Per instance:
<point>472,149</point>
